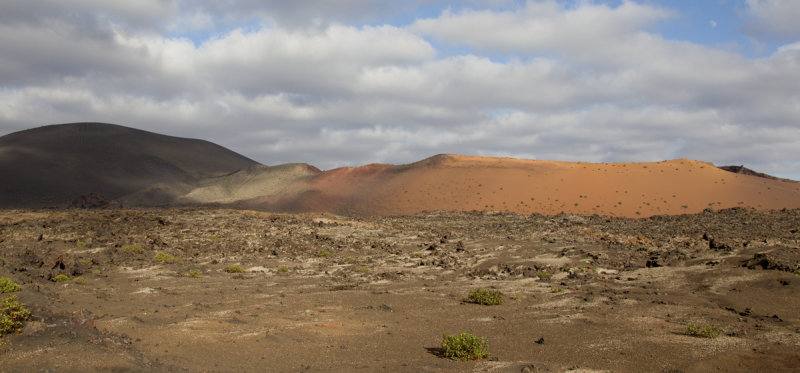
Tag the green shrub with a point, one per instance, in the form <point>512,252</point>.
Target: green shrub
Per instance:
<point>166,258</point>
<point>135,248</point>
<point>464,347</point>
<point>81,243</point>
<point>282,269</point>
<point>12,314</point>
<point>707,331</point>
<point>485,297</point>
<point>8,286</point>
<point>79,280</point>
<point>556,289</point>
<point>544,275</point>
<point>323,253</point>
<point>234,269</point>
<point>194,273</point>
<point>60,278</point>
<point>361,269</point>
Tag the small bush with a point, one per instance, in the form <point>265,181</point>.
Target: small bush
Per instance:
<point>135,248</point>
<point>544,275</point>
<point>464,347</point>
<point>234,269</point>
<point>485,297</point>
<point>323,253</point>
<point>282,269</point>
<point>8,286</point>
<point>166,258</point>
<point>707,331</point>
<point>12,314</point>
<point>349,260</point>
<point>556,289</point>
<point>60,278</point>
<point>96,272</point>
<point>195,273</point>
<point>79,280</point>
<point>81,243</point>
<point>361,269</point>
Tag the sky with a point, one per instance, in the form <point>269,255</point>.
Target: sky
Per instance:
<point>351,82</point>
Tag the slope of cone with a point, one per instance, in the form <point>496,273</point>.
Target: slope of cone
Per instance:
<point>464,183</point>
<point>54,165</point>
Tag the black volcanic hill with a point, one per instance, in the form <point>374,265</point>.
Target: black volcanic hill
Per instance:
<point>746,171</point>
<point>55,165</point>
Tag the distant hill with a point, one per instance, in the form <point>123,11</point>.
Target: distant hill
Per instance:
<point>457,182</point>
<point>95,164</point>
<point>55,165</point>
<point>746,171</point>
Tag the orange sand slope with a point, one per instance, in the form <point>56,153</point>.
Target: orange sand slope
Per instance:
<point>454,182</point>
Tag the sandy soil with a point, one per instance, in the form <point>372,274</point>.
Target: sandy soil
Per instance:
<point>583,293</point>
<point>465,183</point>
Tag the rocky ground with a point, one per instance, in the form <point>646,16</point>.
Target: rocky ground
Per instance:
<point>324,293</point>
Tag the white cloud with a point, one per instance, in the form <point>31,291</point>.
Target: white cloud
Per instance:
<point>584,82</point>
<point>773,18</point>
<point>542,26</point>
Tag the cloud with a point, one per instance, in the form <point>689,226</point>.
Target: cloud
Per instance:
<point>773,19</point>
<point>542,26</point>
<point>582,81</point>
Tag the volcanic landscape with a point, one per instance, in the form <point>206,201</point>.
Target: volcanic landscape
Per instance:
<point>136,251</point>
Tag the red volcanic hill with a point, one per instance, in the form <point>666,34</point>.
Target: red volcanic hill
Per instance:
<point>455,182</point>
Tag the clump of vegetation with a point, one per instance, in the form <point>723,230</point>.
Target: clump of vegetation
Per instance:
<point>349,260</point>
<point>586,268</point>
<point>282,269</point>
<point>194,273</point>
<point>80,280</point>
<point>81,243</point>
<point>234,269</point>
<point>96,272</point>
<point>556,289</point>
<point>8,286</point>
<point>797,272</point>
<point>707,331</point>
<point>12,314</point>
<point>134,248</point>
<point>464,346</point>
<point>167,258</point>
<point>60,278</point>
<point>485,297</point>
<point>323,253</point>
<point>361,269</point>
<point>544,275</point>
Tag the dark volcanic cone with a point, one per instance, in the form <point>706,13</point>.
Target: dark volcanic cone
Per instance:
<point>57,164</point>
